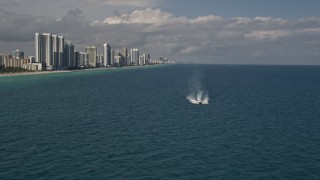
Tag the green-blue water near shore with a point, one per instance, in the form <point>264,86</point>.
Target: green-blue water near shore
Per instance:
<point>262,122</point>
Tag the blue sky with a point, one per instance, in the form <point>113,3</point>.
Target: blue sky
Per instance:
<point>201,31</point>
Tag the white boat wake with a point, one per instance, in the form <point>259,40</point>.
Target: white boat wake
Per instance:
<point>198,98</point>
<point>197,93</point>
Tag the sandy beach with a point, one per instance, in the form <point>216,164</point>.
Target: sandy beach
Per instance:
<point>30,73</point>
<point>62,71</point>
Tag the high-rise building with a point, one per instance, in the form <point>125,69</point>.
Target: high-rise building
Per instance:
<point>55,50</point>
<point>76,58</point>
<point>44,48</point>
<point>122,61</point>
<point>100,60</point>
<point>141,60</point>
<point>148,59</point>
<point>107,55</point>
<point>69,55</point>
<point>4,60</point>
<point>129,58</point>
<point>117,60</point>
<point>61,50</point>
<point>1,60</point>
<point>18,54</point>
<point>58,50</point>
<point>92,55</point>
<point>134,56</point>
<point>37,42</point>
<point>144,59</point>
<point>83,59</point>
<point>113,53</point>
<point>49,50</point>
<point>125,56</point>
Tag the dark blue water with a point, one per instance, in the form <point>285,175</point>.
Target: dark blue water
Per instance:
<point>262,122</point>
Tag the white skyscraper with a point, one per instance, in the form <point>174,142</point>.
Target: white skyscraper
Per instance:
<point>61,50</point>
<point>107,55</point>
<point>113,53</point>
<point>126,61</point>
<point>37,43</point>
<point>55,50</point>
<point>46,49</point>
<point>144,59</point>
<point>134,54</point>
<point>49,49</point>
<point>92,55</point>
<point>83,59</point>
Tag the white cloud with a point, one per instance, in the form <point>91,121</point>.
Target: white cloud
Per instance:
<point>134,3</point>
<point>267,34</point>
<point>147,16</point>
<point>210,39</point>
<point>156,16</point>
<point>206,19</point>
<point>220,39</point>
<point>311,30</point>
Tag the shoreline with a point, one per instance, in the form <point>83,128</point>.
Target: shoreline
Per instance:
<point>30,73</point>
<point>64,71</point>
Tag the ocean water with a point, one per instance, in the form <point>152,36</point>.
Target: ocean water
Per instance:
<point>254,122</point>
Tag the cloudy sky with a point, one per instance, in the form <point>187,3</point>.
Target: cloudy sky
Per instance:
<point>204,31</point>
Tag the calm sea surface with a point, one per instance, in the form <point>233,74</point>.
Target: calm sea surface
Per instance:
<point>262,122</point>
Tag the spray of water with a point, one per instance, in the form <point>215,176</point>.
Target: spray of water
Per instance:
<point>197,92</point>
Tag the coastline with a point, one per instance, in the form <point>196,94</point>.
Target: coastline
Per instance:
<point>64,71</point>
<point>30,73</point>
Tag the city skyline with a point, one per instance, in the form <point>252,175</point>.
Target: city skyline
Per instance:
<point>53,52</point>
<point>242,32</point>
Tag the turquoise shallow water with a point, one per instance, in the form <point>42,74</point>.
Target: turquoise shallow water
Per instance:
<point>262,122</point>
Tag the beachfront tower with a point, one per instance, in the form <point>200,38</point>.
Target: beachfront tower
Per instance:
<point>92,55</point>
<point>107,55</point>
